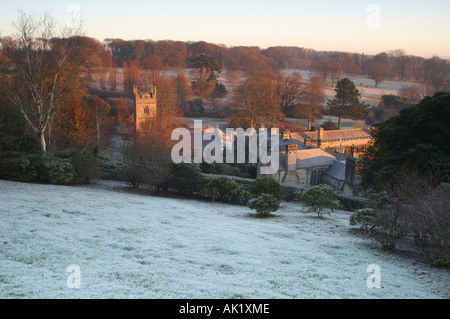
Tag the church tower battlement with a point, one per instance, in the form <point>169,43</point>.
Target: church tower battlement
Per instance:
<point>145,107</point>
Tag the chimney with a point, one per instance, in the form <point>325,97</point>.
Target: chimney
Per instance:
<point>291,157</point>
<point>320,135</point>
<point>286,135</point>
<point>308,142</point>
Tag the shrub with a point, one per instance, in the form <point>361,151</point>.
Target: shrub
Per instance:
<point>135,173</point>
<point>27,169</point>
<point>43,168</point>
<point>63,168</point>
<point>266,185</point>
<point>240,196</point>
<point>57,171</point>
<point>210,190</point>
<point>264,204</point>
<point>364,218</point>
<point>153,172</point>
<point>329,125</point>
<point>428,219</point>
<point>219,187</point>
<point>8,165</point>
<point>384,219</point>
<point>185,178</point>
<point>86,167</point>
<point>225,186</point>
<point>388,227</point>
<point>318,199</point>
<point>111,169</point>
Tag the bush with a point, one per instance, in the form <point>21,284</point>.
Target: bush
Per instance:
<point>364,218</point>
<point>388,227</point>
<point>111,169</point>
<point>384,219</point>
<point>86,167</point>
<point>40,168</point>
<point>329,125</point>
<point>63,168</point>
<point>240,196</point>
<point>185,178</point>
<point>219,188</point>
<point>266,185</point>
<point>429,223</point>
<point>264,204</point>
<point>57,171</point>
<point>9,165</point>
<point>153,172</point>
<point>318,199</point>
<point>135,173</point>
<point>210,190</point>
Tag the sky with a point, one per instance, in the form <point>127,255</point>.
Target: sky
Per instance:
<point>419,27</point>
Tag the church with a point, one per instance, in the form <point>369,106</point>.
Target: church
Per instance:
<point>145,108</point>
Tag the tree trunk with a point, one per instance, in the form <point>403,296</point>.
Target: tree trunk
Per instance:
<point>339,122</point>
<point>42,141</point>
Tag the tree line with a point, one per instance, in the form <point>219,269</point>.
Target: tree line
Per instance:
<point>392,65</point>
<point>149,54</point>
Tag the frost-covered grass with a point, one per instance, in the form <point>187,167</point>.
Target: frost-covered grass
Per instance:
<point>135,246</point>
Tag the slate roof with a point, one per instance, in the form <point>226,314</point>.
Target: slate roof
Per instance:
<point>336,135</point>
<point>337,170</point>
<point>308,158</point>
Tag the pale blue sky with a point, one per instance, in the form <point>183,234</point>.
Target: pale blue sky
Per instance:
<point>418,26</point>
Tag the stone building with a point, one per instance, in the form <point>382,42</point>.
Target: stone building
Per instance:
<point>340,141</point>
<point>145,108</point>
<point>303,163</point>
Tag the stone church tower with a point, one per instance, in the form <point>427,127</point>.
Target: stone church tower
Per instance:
<point>145,107</point>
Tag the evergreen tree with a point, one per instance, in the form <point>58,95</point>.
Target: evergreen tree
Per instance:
<point>346,102</point>
<point>415,139</point>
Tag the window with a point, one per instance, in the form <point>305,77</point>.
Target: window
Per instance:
<point>316,176</point>
<point>146,110</point>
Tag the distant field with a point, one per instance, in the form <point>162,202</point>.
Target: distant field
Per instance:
<point>369,93</point>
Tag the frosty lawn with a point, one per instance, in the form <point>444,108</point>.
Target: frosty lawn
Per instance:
<point>135,246</point>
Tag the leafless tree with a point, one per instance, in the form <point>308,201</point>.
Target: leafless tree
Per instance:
<point>42,70</point>
<point>312,101</point>
<point>289,89</point>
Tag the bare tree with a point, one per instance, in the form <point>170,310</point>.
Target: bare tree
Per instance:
<point>312,102</point>
<point>42,70</point>
<point>289,89</point>
<point>400,63</point>
<point>255,102</point>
